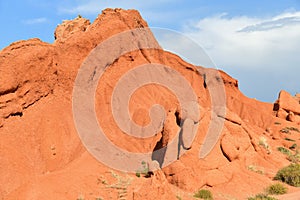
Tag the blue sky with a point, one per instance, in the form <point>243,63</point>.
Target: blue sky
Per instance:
<point>256,41</point>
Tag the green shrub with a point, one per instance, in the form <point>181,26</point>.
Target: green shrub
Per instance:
<point>293,147</point>
<point>294,129</point>
<point>144,170</point>
<point>289,139</point>
<point>138,174</point>
<point>288,129</point>
<point>204,194</point>
<point>285,130</point>
<point>289,175</point>
<point>253,168</point>
<point>276,189</point>
<point>294,158</point>
<point>284,151</point>
<point>261,197</point>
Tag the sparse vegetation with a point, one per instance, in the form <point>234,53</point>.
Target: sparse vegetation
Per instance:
<point>80,197</point>
<point>293,147</point>
<point>143,171</point>
<point>295,158</point>
<point>289,175</point>
<point>277,123</point>
<point>261,197</point>
<point>289,139</point>
<point>263,142</point>
<point>79,16</point>
<point>178,197</point>
<point>276,189</point>
<point>294,129</point>
<point>204,194</point>
<point>121,185</point>
<point>283,150</point>
<point>253,168</point>
<point>288,129</point>
<point>285,130</point>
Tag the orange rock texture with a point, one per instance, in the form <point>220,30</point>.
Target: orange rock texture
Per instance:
<point>42,155</point>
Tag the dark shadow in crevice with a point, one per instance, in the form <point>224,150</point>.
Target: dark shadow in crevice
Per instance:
<point>159,151</point>
<point>224,154</point>
<point>20,114</point>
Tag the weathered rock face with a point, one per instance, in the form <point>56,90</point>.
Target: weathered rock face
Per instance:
<point>28,73</point>
<point>69,27</point>
<point>42,156</point>
<point>288,107</point>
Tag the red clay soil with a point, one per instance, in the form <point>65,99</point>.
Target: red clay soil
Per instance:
<point>42,156</point>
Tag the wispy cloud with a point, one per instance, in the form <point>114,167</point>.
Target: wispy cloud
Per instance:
<point>35,21</point>
<point>250,42</point>
<point>274,23</point>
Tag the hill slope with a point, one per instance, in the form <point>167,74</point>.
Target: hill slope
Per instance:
<point>42,156</point>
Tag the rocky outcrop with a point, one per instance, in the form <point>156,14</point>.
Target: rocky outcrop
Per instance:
<point>288,107</point>
<point>69,27</point>
<point>28,73</point>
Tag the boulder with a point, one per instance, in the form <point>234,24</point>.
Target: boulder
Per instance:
<point>288,103</point>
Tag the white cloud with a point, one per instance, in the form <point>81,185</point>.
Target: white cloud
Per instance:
<point>267,49</point>
<point>182,45</point>
<point>273,24</point>
<point>35,21</point>
<point>250,43</point>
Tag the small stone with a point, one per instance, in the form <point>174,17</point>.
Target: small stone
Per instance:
<point>291,117</point>
<point>282,114</point>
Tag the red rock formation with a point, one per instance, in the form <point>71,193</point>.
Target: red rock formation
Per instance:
<point>42,156</point>
<point>288,107</point>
